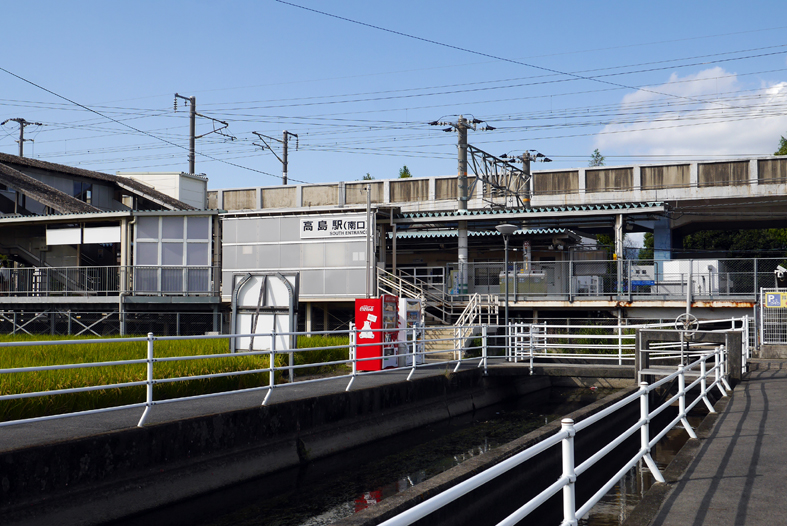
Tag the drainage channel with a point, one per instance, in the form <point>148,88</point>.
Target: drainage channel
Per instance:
<point>330,489</point>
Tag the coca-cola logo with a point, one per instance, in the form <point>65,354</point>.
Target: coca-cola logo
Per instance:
<point>366,308</point>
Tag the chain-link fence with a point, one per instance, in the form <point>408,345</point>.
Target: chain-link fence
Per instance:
<point>109,323</point>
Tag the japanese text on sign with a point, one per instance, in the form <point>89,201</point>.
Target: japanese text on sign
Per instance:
<point>333,226</point>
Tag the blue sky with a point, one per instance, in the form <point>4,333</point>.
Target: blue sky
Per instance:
<point>643,82</point>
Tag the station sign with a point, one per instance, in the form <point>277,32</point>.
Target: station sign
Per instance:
<point>333,226</point>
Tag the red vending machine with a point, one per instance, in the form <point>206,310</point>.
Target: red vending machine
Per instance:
<point>377,323</point>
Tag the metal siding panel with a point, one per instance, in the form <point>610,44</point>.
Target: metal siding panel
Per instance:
<point>313,255</point>
<point>269,229</point>
<point>246,231</point>
<point>267,256</point>
<point>356,282</point>
<point>290,229</point>
<point>290,256</point>
<point>312,283</point>
<point>229,230</point>
<point>336,281</point>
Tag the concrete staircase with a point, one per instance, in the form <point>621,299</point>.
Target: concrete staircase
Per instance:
<point>439,343</point>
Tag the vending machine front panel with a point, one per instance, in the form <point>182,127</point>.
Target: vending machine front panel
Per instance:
<point>368,321</point>
<point>376,320</point>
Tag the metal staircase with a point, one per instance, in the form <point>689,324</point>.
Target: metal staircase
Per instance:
<point>467,325</point>
<point>435,302</point>
<point>440,307</point>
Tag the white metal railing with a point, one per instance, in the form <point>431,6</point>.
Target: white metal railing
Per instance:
<point>463,328</point>
<point>411,352</point>
<point>110,280</point>
<point>525,342</point>
<point>709,367</point>
<point>467,325</point>
<point>432,297</point>
<point>567,481</point>
<point>433,276</point>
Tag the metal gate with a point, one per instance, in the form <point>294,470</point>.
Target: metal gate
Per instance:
<point>773,316</point>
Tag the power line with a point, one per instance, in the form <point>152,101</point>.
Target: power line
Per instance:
<point>131,127</point>
<point>22,124</point>
<point>474,52</point>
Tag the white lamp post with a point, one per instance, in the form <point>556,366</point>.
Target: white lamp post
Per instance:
<point>506,230</point>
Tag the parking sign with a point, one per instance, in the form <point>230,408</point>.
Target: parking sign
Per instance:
<point>773,299</point>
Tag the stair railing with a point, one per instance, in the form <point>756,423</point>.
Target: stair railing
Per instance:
<point>430,296</point>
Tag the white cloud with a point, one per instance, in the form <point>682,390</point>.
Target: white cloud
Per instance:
<point>708,113</point>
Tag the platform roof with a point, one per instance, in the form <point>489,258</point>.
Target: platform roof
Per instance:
<point>507,214</point>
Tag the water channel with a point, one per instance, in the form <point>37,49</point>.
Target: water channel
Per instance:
<point>327,490</point>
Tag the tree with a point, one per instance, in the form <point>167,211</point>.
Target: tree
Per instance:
<point>647,247</point>
<point>596,159</point>
<point>629,250</point>
<point>404,172</point>
<point>752,243</point>
<point>782,147</point>
<point>367,177</point>
<point>605,240</point>
<point>762,242</point>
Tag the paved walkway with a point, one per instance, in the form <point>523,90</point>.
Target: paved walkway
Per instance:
<point>739,475</point>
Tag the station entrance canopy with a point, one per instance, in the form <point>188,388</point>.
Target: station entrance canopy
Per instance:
<point>588,218</point>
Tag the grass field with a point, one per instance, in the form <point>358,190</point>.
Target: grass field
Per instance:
<point>35,356</point>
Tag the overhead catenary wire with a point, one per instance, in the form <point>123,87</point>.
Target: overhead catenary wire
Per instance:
<point>131,127</point>
<point>349,132</point>
<point>480,53</point>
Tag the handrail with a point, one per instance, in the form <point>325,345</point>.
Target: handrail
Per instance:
<point>108,280</point>
<point>424,359</point>
<point>468,317</point>
<point>412,290</point>
<point>633,280</point>
<point>709,366</point>
<point>570,472</point>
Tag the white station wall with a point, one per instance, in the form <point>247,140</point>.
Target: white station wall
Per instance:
<point>328,251</point>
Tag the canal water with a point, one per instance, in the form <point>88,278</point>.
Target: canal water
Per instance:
<point>327,490</point>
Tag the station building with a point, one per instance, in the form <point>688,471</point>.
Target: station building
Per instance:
<point>133,252</point>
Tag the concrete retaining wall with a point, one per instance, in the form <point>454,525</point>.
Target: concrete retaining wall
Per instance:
<point>773,351</point>
<point>89,479</point>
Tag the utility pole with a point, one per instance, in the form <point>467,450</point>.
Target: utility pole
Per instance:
<point>463,249</point>
<point>461,126</point>
<point>192,101</point>
<point>369,278</point>
<point>22,123</point>
<point>284,141</point>
<point>526,158</point>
